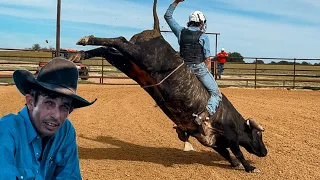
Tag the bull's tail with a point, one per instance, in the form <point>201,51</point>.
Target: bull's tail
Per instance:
<point>156,25</point>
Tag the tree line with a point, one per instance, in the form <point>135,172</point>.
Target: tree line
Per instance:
<point>237,57</point>
<point>37,47</point>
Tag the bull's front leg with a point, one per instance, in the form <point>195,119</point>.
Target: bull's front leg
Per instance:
<point>82,55</point>
<point>184,137</point>
<point>231,140</point>
<point>225,153</point>
<point>235,148</point>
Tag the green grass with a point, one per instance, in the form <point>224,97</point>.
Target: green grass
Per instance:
<point>85,82</point>
<point>15,67</point>
<point>95,61</point>
<point>7,81</point>
<point>27,56</point>
<point>25,53</point>
<point>312,88</point>
<point>272,66</point>
<point>271,69</point>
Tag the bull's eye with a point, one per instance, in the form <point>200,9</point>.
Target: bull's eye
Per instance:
<point>258,132</point>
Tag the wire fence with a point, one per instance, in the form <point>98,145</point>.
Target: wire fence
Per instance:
<point>261,72</point>
<point>272,72</point>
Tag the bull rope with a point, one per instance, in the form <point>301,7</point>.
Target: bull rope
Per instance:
<point>164,78</point>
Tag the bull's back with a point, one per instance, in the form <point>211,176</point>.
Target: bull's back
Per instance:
<point>182,92</point>
<point>144,36</point>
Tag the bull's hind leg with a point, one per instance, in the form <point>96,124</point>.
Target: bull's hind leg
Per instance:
<point>95,41</point>
<point>120,43</point>
<point>115,58</point>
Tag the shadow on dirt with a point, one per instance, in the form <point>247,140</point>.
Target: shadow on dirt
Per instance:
<point>160,155</point>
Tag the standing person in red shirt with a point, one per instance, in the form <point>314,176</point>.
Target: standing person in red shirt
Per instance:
<point>221,58</point>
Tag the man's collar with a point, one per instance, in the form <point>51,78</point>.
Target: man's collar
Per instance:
<point>31,132</point>
<point>194,28</point>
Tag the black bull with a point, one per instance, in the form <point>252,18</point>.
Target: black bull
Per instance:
<point>150,61</point>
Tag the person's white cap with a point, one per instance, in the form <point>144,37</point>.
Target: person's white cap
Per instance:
<point>222,49</point>
<point>197,16</point>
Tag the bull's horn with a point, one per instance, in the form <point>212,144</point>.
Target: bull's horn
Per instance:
<point>254,124</point>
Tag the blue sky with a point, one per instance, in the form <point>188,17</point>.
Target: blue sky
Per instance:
<point>273,28</point>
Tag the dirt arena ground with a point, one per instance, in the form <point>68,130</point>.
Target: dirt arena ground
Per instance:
<point>123,136</point>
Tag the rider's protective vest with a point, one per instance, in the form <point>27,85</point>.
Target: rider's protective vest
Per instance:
<point>190,48</point>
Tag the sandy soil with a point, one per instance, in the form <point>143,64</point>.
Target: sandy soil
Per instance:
<point>123,136</point>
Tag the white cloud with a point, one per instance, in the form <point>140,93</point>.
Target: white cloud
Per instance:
<point>29,3</point>
<point>249,35</point>
<point>303,10</point>
<point>253,37</point>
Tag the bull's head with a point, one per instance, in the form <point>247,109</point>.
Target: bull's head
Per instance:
<point>252,139</point>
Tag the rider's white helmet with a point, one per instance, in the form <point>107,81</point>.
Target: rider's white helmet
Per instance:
<point>197,16</point>
<point>222,49</point>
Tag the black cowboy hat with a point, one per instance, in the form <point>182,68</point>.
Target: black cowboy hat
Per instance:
<point>58,75</point>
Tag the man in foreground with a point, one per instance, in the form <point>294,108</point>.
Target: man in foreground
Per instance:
<point>40,142</point>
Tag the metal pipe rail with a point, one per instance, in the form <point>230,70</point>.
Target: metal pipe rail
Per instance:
<point>297,75</point>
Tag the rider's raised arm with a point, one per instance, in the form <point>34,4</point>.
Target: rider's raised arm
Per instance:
<point>174,26</point>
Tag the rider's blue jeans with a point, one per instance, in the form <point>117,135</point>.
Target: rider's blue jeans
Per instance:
<point>203,74</point>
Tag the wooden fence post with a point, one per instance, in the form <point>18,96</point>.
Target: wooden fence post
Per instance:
<point>216,60</point>
<point>294,73</point>
<point>102,71</point>
<point>255,73</point>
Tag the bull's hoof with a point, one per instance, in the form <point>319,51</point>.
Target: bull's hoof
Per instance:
<point>256,170</point>
<point>188,146</point>
<point>253,169</point>
<point>87,40</point>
